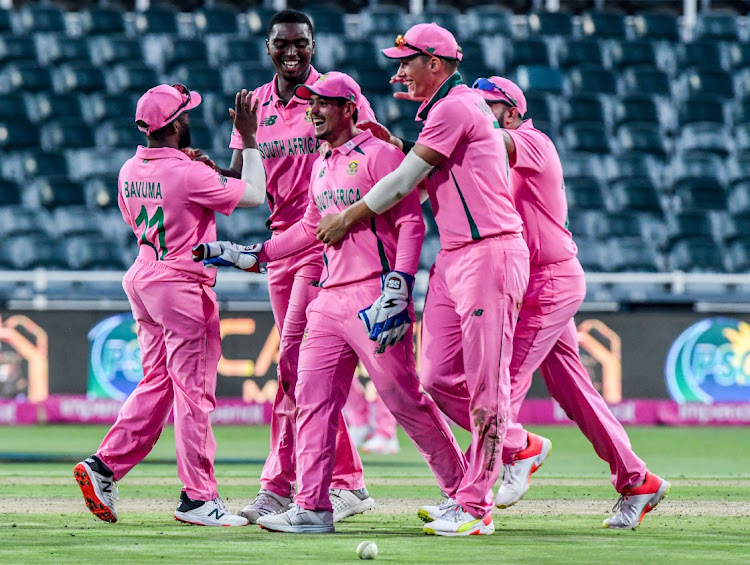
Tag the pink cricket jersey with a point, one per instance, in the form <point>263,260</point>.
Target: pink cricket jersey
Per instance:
<point>370,248</point>
<point>288,147</point>
<point>169,201</point>
<point>469,190</point>
<point>536,182</point>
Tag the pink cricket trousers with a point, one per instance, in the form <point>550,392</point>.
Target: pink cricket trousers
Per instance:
<point>178,332</point>
<point>546,338</point>
<point>473,299</point>
<point>357,412</point>
<point>335,338</point>
<point>292,287</point>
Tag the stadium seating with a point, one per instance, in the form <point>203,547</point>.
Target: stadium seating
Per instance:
<point>550,24</point>
<point>215,21</point>
<point>573,53</point>
<point>605,25</point>
<point>656,26</point>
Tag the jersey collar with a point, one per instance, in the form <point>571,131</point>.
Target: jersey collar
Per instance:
<point>144,152</point>
<point>354,143</point>
<point>311,78</point>
<point>450,82</point>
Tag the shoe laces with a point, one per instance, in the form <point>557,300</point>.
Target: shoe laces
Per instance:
<point>220,503</point>
<point>507,472</point>
<point>447,504</point>
<point>617,508</point>
<point>264,501</point>
<point>453,513</point>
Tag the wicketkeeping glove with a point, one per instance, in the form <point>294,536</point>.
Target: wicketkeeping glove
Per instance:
<point>228,254</point>
<point>387,320</point>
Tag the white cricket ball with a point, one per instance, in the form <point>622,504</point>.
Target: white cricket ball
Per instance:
<point>367,550</point>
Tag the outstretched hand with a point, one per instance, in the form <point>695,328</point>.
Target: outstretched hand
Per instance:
<point>198,155</point>
<point>245,116</point>
<point>404,95</point>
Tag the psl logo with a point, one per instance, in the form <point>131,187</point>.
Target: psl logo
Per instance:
<point>710,362</point>
<point>352,170</point>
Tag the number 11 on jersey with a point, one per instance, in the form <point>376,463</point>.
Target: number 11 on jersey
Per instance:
<point>156,220</point>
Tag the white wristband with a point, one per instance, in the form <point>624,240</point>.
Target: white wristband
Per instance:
<point>254,176</point>
<point>397,184</point>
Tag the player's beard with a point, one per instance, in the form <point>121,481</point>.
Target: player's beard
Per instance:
<point>184,140</point>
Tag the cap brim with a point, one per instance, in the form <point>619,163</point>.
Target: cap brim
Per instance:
<point>195,100</point>
<point>304,92</point>
<point>400,52</point>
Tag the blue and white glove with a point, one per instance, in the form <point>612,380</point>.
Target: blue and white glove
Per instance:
<point>228,254</point>
<point>387,320</point>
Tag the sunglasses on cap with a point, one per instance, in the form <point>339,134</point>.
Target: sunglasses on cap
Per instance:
<point>400,43</point>
<point>486,84</point>
<point>185,91</point>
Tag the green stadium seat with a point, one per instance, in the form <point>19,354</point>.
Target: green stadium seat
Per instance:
<point>103,21</point>
<point>738,56</point>
<point>56,49</point>
<point>736,226</point>
<point>385,20</point>
<point>656,26</point>
<point>590,254</point>
<point>738,197</point>
<point>50,105</point>
<point>327,20</point>
<point>83,253</point>
<point>527,52</point>
<point>79,77</point>
<point>41,19</point>
<point>538,78</point>
<point>15,107</point>
<point>717,26</point>
<point>6,25</point>
<point>645,80</point>
<point>131,77</point>
<point>584,193</point>
<point>154,21</point>
<point>633,193</point>
<point>101,192</point>
<point>644,138</point>
<point>35,163</point>
<point>580,52</point>
<point>486,20</point>
<point>702,54</point>
<point>102,106</point>
<point>550,24</point>
<point>186,51</point>
<point>695,256</point>
<point>17,134</point>
<point>629,165</point>
<point>701,108</point>
<point>738,256</point>
<point>623,224</point>
<point>54,191</point>
<point>586,137</point>
<point>605,25</point>
<point>66,133</point>
<point>358,51</point>
<point>69,220</point>
<point>698,194</point>
<point>705,138</point>
<point>372,80</point>
<point>237,76</point>
<point>590,79</point>
<point>200,133</point>
<point>630,254</point>
<point>119,132</point>
<point>705,82</point>
<point>257,19</point>
<point>16,49</point>
<point>228,49</point>
<point>212,21</point>
<point>633,108</point>
<point>10,195</point>
<point>34,251</point>
<point>26,77</point>
<point>582,107</point>
<point>202,78</point>
<point>16,219</point>
<point>631,53</point>
<point>110,50</point>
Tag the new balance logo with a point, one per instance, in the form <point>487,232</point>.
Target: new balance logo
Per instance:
<point>269,121</point>
<point>477,312</point>
<point>106,486</point>
<point>216,512</point>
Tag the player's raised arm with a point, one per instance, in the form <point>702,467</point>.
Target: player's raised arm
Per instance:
<point>245,118</point>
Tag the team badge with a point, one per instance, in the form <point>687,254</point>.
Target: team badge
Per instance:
<point>322,172</point>
<point>307,115</point>
<point>352,170</point>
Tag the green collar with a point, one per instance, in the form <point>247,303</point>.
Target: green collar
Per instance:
<point>453,80</point>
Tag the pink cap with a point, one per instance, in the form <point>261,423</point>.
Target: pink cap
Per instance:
<point>426,39</point>
<point>162,105</point>
<point>331,85</point>
<point>499,89</point>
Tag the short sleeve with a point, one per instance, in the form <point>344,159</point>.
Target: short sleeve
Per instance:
<point>529,153</point>
<point>235,142</point>
<point>211,190</point>
<point>445,127</point>
<point>365,111</point>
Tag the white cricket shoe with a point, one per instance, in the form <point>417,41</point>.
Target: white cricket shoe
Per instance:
<point>458,522</point>
<point>359,434</point>
<point>298,520</point>
<point>381,445</point>
<point>349,502</point>
<point>99,491</point>
<point>266,503</point>
<point>206,513</point>
<point>517,475</point>
<point>635,502</point>
<point>432,513</point>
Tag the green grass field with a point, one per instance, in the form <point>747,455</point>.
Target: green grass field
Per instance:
<point>706,517</point>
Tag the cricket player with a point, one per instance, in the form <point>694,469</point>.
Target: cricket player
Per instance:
<point>480,275</point>
<point>289,148</point>
<point>368,279</point>
<point>381,438</point>
<point>169,200</point>
<point>545,336</point>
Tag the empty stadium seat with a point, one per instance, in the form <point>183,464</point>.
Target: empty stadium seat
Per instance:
<point>645,138</point>
<point>582,107</point>
<point>689,224</point>
<point>58,49</point>
<point>737,257</point>
<point>631,53</point>
<point>537,78</point>
<point>588,137</point>
<point>487,20</point>
<point>49,105</point>
<point>359,51</point>
<point>66,133</point>
<point>41,19</point>
<point>705,137</point>
<point>584,193</point>
<point>5,20</point>
<point>738,56</point>
<point>656,26</point>
<point>606,25</point>
<point>717,26</point>
<point>386,20</point>
<point>551,23</point>
<point>10,193</point>
<point>17,134</point>
<point>16,219</point>
<point>539,107</point>
<point>584,223</point>
<point>738,198</point>
<point>26,77</point>
<point>35,163</point>
<point>742,136</point>
<point>109,50</point>
<point>624,224</point>
<point>736,226</point>
<point>327,20</point>
<point>630,254</point>
<point>580,52</point>
<point>102,106</point>
<point>629,165</point>
<point>590,253</point>
<point>698,193</point>
<point>645,80</point>
<point>212,21</point>
<point>202,78</point>
<point>527,52</point>
<point>372,80</point>
<point>72,220</point>
<point>15,107</point>
<point>186,51</point>
<point>16,49</point>
<point>591,79</point>
<point>51,192</point>
<point>33,251</point>
<point>706,108</point>
<point>131,77</point>
<point>119,132</point>
<point>581,164</point>
<point>633,108</point>
<point>636,193</point>
<point>78,77</point>
<point>237,76</point>
<point>86,253</point>
<point>155,21</point>
<point>700,82</point>
<point>102,21</point>
<point>101,192</point>
<point>695,256</point>
<point>698,54</point>
<point>227,49</point>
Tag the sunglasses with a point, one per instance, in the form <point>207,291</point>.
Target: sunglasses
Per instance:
<point>400,43</point>
<point>185,91</point>
<point>486,84</point>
